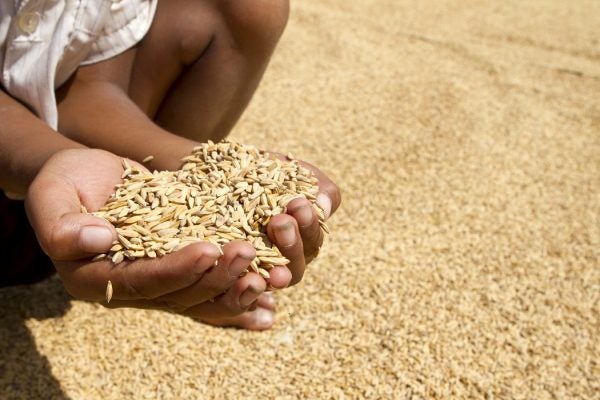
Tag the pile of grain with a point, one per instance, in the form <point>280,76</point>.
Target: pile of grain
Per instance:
<point>465,136</point>
<point>224,191</point>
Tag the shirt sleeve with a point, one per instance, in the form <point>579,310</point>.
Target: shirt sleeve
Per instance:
<point>128,23</point>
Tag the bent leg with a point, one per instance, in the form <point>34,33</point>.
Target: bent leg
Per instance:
<point>199,65</point>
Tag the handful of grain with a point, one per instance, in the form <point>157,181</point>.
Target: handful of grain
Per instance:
<point>224,191</point>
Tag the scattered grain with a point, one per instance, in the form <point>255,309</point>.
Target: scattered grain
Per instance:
<point>109,291</point>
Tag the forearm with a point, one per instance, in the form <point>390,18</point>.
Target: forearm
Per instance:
<point>26,142</point>
<point>100,114</point>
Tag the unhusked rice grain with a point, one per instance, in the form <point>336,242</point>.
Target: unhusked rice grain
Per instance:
<point>223,192</point>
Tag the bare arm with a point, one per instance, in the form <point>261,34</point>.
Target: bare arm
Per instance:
<point>95,110</point>
<point>26,143</point>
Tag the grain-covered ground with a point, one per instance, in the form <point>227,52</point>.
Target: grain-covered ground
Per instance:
<point>465,260</point>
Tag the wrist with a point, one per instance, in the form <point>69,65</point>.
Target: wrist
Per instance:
<point>26,143</point>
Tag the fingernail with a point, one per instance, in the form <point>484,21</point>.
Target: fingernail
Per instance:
<point>239,265</point>
<point>215,254</point>
<point>249,296</point>
<point>281,283</point>
<point>285,235</point>
<point>269,299</point>
<point>208,258</point>
<point>304,215</point>
<point>95,239</point>
<point>325,203</point>
<point>264,317</point>
<point>206,261</point>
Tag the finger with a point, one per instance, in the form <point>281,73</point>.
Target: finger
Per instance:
<point>55,197</point>
<point>266,300</point>
<point>64,233</point>
<point>241,296</point>
<point>255,320</point>
<point>236,300</point>
<point>280,277</point>
<point>283,232</point>
<point>308,225</point>
<point>234,262</point>
<point>329,196</point>
<point>143,278</point>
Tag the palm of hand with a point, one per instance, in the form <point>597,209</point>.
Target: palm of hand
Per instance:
<point>183,281</point>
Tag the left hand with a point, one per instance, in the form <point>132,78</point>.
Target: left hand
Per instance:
<point>297,233</point>
<point>184,281</point>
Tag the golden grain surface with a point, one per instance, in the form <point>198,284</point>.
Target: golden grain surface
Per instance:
<point>464,261</point>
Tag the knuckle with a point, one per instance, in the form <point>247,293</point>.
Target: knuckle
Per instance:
<point>52,244</point>
<point>232,307</point>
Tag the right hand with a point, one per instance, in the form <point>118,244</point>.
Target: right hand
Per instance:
<point>195,281</point>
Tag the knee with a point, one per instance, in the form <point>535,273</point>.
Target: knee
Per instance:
<point>255,26</point>
<point>251,27</point>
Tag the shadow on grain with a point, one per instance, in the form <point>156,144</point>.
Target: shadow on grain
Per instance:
<point>24,372</point>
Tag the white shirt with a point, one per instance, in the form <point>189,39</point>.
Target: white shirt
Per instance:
<point>42,42</point>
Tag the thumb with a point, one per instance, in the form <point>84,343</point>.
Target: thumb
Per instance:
<point>65,233</point>
<point>77,235</point>
<point>329,196</point>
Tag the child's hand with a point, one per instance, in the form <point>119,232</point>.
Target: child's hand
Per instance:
<point>186,281</point>
<point>297,233</point>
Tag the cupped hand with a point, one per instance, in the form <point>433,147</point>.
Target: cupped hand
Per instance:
<point>297,233</point>
<point>196,281</point>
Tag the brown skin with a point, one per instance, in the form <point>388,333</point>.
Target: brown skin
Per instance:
<point>188,81</point>
<point>22,155</point>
